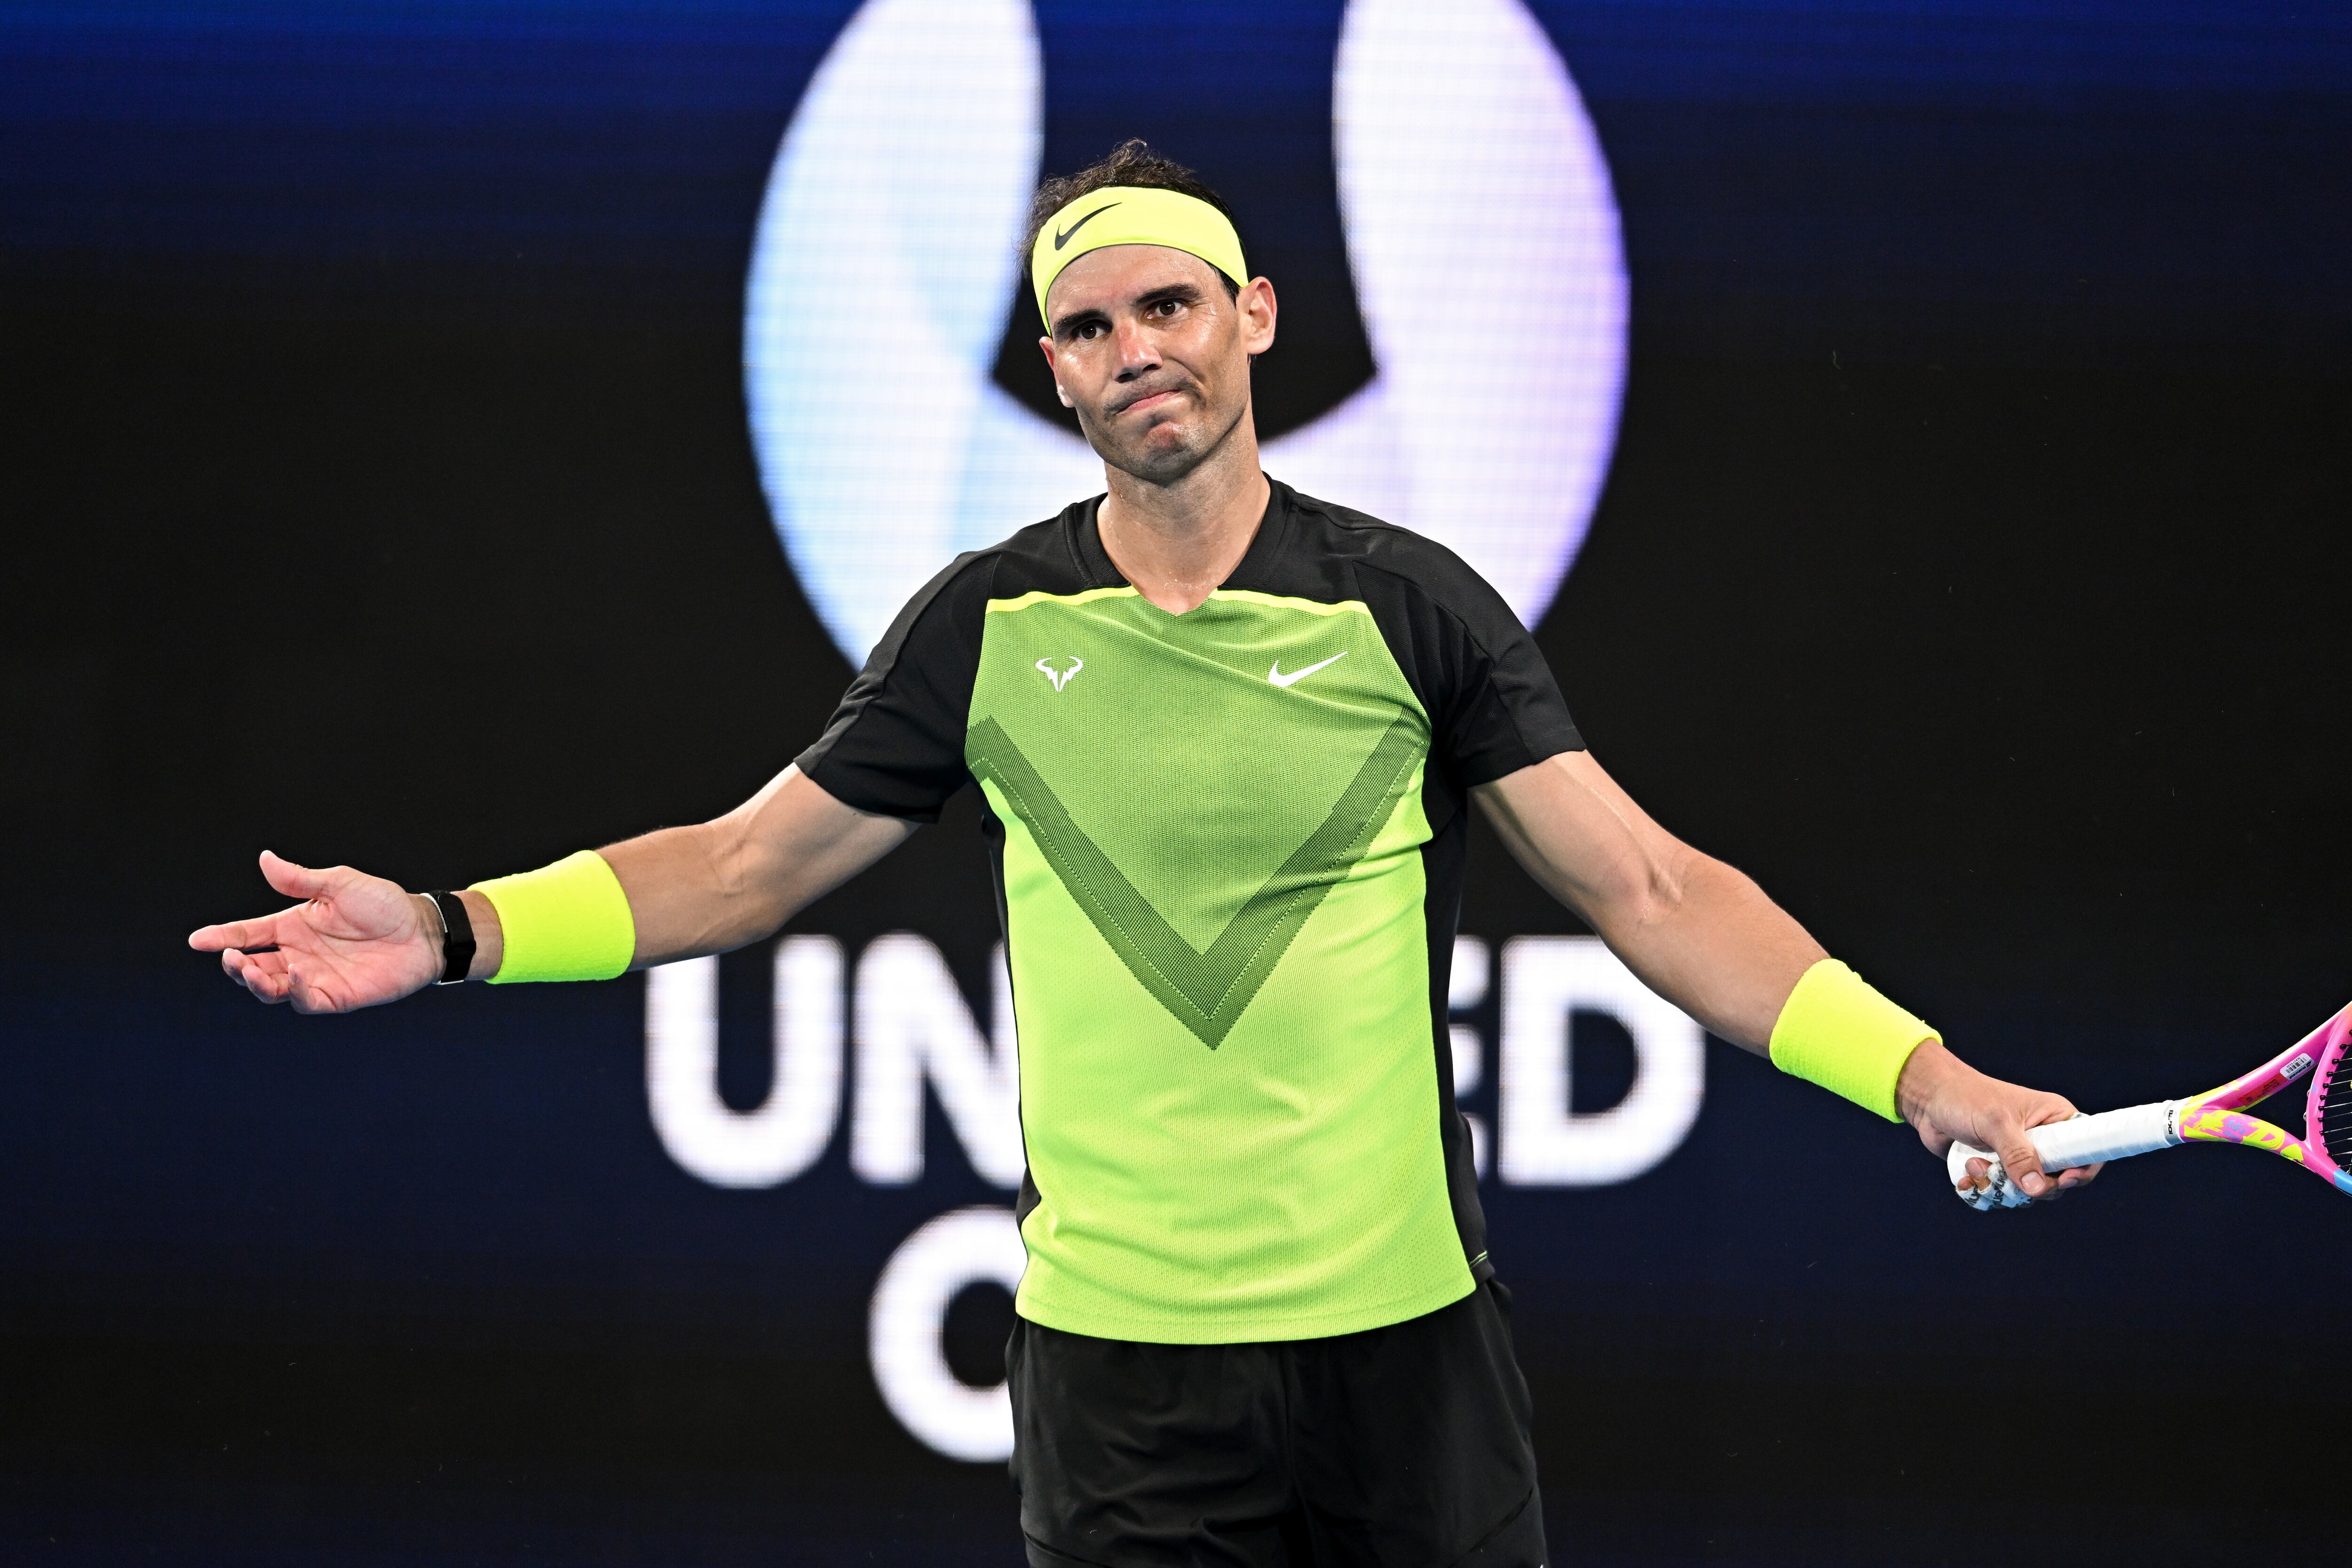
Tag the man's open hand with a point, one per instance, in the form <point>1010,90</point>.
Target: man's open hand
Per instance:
<point>355,942</point>
<point>1945,1098</point>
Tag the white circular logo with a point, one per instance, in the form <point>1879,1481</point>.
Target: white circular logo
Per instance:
<point>903,1325</point>
<point>1467,172</point>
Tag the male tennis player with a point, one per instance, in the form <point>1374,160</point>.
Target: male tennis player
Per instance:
<point>1227,736</point>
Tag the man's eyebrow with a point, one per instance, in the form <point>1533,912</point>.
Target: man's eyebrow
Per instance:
<point>1077,319</point>
<point>1182,293</point>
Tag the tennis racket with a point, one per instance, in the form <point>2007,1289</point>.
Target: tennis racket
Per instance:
<point>2218,1117</point>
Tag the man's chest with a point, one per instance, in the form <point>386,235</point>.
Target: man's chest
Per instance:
<point>1202,753</point>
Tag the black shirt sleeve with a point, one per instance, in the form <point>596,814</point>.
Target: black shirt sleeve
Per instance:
<point>1492,705</point>
<point>1506,710</point>
<point>895,746</point>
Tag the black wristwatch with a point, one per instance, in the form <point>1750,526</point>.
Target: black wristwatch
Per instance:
<point>457,937</point>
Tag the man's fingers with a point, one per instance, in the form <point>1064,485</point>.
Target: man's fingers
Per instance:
<point>2075,1176</point>
<point>2023,1160</point>
<point>271,978</point>
<point>298,990</point>
<point>263,974</point>
<point>236,933</point>
<point>310,996</point>
<point>2055,1109</point>
<point>259,971</point>
<point>1979,1174</point>
<point>294,881</point>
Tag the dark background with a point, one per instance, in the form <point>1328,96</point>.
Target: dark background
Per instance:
<point>1973,570</point>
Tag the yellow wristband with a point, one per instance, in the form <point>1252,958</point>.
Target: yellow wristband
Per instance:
<point>1837,1032</point>
<point>565,921</point>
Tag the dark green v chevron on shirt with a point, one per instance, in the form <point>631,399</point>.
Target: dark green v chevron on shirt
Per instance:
<point>1207,991</point>
<point>1205,845</point>
<point>1228,847</point>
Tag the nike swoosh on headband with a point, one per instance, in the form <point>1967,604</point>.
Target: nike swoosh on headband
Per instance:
<point>1062,236</point>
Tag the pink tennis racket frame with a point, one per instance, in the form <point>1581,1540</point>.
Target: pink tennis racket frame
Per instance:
<point>2217,1117</point>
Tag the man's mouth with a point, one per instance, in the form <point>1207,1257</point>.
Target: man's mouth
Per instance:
<point>1150,400</point>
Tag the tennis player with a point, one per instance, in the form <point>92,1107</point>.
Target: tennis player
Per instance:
<point>1228,736</point>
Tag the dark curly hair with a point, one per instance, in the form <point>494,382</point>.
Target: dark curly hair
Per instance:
<point>1131,162</point>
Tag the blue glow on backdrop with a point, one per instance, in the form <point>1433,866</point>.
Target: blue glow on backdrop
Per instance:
<point>887,249</point>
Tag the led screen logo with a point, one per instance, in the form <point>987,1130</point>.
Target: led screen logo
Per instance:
<point>1467,172</point>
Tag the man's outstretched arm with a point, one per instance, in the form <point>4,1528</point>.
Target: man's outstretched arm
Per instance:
<point>358,941</point>
<point>1703,935</point>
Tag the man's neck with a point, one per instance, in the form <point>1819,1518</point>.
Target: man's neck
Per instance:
<point>1177,543</point>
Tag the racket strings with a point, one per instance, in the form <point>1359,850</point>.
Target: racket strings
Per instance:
<point>2331,1110</point>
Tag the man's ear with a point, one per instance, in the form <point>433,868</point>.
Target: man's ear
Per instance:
<point>1046,344</point>
<point>1258,313</point>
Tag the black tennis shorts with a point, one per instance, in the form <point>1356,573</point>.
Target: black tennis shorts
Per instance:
<point>1398,1447</point>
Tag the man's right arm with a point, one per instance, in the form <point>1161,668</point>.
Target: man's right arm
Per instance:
<point>358,941</point>
<point>736,878</point>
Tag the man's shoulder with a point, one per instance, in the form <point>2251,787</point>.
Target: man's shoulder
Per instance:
<point>1045,557</point>
<point>1419,565</point>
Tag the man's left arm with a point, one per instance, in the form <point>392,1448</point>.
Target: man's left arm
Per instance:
<point>1703,935</point>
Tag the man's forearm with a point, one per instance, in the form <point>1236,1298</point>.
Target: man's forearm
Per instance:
<point>700,890</point>
<point>718,885</point>
<point>679,904</point>
<point>1700,934</point>
<point>1704,936</point>
<point>1718,949</point>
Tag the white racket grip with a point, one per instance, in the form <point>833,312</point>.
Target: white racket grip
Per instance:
<point>2085,1140</point>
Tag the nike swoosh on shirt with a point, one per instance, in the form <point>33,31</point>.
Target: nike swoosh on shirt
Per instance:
<point>1275,673</point>
<point>1062,236</point>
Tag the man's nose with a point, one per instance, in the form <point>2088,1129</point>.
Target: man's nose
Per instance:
<point>1136,351</point>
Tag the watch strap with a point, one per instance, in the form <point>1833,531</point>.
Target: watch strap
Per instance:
<point>457,937</point>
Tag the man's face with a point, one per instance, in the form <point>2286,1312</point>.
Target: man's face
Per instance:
<point>1153,355</point>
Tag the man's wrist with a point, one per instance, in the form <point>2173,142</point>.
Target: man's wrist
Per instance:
<point>572,921</point>
<point>488,939</point>
<point>1930,1069</point>
<point>433,929</point>
<point>1836,1031</point>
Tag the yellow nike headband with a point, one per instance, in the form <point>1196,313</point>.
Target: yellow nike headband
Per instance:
<point>1133,214</point>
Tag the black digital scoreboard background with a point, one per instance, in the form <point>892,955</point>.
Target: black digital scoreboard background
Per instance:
<point>1972,567</point>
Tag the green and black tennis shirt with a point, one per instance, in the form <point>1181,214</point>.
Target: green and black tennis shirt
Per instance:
<point>1229,852</point>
